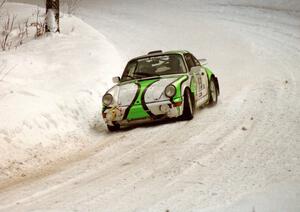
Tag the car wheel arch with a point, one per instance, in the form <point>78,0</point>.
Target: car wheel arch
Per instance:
<point>213,77</point>
<point>188,89</point>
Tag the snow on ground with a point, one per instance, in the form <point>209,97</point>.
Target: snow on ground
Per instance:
<point>242,155</point>
<point>52,93</point>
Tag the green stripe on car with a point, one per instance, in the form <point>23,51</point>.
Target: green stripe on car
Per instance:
<point>137,111</point>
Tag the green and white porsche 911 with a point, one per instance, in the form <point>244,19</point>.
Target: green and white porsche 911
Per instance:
<point>159,85</point>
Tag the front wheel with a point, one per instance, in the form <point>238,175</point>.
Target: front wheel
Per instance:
<point>113,128</point>
<point>188,107</point>
<point>213,92</point>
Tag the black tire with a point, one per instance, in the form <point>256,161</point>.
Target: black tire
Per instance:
<point>213,92</point>
<point>113,128</point>
<point>188,107</point>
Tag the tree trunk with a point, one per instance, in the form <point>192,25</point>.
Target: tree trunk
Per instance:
<point>52,16</point>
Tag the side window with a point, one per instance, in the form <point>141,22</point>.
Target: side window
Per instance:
<point>196,61</point>
<point>189,60</point>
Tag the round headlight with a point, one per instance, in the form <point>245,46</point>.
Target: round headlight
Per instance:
<point>107,99</point>
<point>170,91</point>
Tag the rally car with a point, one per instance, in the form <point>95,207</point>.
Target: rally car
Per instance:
<point>159,85</point>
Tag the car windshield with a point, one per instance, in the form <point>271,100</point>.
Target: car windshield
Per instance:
<point>154,66</point>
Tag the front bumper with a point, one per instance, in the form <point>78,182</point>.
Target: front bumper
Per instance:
<point>155,111</point>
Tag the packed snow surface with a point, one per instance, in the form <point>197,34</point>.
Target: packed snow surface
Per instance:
<point>241,155</point>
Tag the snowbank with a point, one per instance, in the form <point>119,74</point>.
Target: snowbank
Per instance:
<point>51,94</point>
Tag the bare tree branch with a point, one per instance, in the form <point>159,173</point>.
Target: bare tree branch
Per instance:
<point>8,26</point>
<point>2,3</point>
<point>39,24</point>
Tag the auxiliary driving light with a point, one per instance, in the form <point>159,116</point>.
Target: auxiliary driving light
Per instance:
<point>164,108</point>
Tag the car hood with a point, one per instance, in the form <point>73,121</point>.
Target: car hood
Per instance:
<point>149,90</point>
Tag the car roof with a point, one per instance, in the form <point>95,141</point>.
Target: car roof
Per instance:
<point>158,53</point>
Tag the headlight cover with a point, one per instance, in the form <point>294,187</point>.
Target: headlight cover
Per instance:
<point>107,99</point>
<point>170,91</point>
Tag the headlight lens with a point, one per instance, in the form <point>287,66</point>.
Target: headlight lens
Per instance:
<point>107,99</point>
<point>170,91</point>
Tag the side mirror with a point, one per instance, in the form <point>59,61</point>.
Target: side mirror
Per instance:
<point>116,80</point>
<point>203,61</point>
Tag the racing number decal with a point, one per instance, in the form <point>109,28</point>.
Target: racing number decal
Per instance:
<point>204,82</point>
<point>192,62</point>
<point>199,83</point>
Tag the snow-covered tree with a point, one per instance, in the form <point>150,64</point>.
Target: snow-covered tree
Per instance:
<point>52,16</point>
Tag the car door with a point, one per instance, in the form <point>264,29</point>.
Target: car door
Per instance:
<point>196,74</point>
<point>203,79</point>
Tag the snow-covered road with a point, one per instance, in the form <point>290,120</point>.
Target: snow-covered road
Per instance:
<point>208,163</point>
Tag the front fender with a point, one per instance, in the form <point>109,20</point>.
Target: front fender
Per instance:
<point>211,76</point>
<point>180,85</point>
